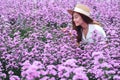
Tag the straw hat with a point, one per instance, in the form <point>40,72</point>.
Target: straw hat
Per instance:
<point>82,9</point>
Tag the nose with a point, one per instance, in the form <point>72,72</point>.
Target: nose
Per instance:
<point>74,19</point>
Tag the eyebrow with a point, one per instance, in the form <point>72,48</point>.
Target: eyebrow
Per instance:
<point>75,15</point>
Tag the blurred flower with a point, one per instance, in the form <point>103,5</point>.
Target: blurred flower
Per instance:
<point>70,62</point>
<point>14,77</point>
<point>49,35</point>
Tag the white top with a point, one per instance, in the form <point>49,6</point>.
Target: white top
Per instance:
<point>91,29</point>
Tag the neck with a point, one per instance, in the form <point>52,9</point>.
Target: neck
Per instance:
<point>84,26</point>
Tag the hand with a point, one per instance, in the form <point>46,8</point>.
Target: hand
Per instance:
<point>63,29</point>
<point>77,44</point>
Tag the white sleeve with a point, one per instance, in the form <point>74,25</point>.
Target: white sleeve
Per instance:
<point>101,32</point>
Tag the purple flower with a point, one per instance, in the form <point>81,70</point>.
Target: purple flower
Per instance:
<point>49,35</point>
<point>11,72</point>
<point>14,77</point>
<point>3,75</point>
<point>70,62</point>
<point>116,77</point>
<point>80,76</point>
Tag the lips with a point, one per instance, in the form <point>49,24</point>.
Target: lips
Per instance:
<point>76,23</point>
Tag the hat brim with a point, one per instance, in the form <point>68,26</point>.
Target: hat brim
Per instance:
<point>71,13</point>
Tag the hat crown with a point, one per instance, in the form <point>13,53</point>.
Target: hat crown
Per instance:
<point>83,7</point>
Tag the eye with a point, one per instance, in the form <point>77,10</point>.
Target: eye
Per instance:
<point>75,16</point>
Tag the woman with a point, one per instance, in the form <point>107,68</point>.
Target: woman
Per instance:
<point>84,24</point>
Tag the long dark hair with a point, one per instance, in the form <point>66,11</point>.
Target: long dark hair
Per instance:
<point>79,28</point>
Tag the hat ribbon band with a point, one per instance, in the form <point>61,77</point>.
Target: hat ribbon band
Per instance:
<point>81,11</point>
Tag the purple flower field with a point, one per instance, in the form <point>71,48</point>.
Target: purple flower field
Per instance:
<point>33,46</point>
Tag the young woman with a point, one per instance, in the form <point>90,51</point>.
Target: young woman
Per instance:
<point>84,24</point>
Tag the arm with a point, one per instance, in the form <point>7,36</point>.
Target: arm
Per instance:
<point>101,32</point>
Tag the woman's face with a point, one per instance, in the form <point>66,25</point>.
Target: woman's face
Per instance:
<point>77,19</point>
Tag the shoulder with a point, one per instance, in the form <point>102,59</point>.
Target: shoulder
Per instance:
<point>96,27</point>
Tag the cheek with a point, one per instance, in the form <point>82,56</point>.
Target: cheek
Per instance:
<point>79,21</point>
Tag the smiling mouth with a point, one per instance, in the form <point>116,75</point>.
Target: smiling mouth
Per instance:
<point>76,23</point>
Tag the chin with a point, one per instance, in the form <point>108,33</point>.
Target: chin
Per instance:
<point>77,25</point>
